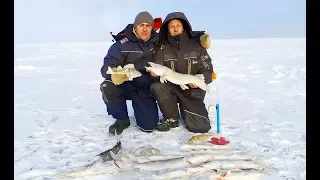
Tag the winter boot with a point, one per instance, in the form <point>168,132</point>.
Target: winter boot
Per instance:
<point>119,126</point>
<point>167,124</point>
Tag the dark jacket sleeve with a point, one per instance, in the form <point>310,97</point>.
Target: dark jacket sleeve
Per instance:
<point>114,58</point>
<point>205,67</point>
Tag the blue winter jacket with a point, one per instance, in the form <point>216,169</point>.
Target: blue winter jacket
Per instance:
<point>131,50</point>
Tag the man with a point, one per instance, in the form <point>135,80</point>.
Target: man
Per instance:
<point>180,52</point>
<point>135,47</point>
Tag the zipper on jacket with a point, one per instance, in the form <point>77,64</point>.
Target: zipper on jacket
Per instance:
<point>189,66</point>
<point>172,66</point>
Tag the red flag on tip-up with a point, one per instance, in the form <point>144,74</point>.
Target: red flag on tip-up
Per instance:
<point>219,141</point>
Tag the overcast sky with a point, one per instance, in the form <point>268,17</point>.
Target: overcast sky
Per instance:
<point>92,20</point>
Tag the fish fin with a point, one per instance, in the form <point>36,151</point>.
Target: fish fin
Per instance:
<point>110,71</point>
<point>113,155</point>
<point>151,64</point>
<point>162,79</point>
<point>129,66</point>
<point>184,87</point>
<point>119,68</point>
<point>199,76</point>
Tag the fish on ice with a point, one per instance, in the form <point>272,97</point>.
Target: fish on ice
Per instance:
<point>167,74</point>
<point>192,147</point>
<point>167,164</point>
<point>233,165</point>
<point>201,138</point>
<point>143,159</point>
<point>214,151</point>
<point>128,70</point>
<point>187,173</point>
<point>237,175</point>
<point>96,167</point>
<point>146,150</point>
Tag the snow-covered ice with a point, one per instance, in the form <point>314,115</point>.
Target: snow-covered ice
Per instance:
<point>61,120</point>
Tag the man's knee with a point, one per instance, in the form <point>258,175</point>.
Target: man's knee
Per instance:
<point>110,92</point>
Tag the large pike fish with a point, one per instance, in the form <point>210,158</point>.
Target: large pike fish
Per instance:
<point>167,164</point>
<point>187,173</point>
<point>167,74</point>
<point>97,167</point>
<point>170,163</point>
<point>237,175</point>
<point>233,165</point>
<point>232,175</point>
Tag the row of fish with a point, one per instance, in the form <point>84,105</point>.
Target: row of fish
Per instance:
<point>161,164</point>
<point>196,159</point>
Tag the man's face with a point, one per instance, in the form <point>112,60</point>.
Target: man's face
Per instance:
<point>143,31</point>
<point>175,27</point>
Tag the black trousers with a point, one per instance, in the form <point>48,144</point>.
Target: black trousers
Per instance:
<point>191,103</point>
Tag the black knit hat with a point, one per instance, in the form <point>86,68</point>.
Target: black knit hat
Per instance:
<point>143,17</point>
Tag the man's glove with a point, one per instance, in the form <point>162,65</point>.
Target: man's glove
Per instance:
<point>205,41</point>
<point>118,79</point>
<point>213,76</point>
